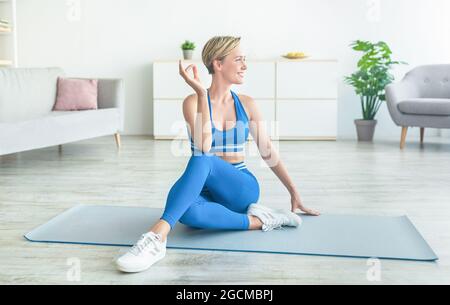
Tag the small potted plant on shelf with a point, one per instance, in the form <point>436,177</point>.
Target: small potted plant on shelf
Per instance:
<point>188,47</point>
<point>369,83</point>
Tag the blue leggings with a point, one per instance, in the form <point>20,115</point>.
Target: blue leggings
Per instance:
<point>212,194</point>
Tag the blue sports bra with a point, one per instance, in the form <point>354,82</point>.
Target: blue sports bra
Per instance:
<point>230,140</point>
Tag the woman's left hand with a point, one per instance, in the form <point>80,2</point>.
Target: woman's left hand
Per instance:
<point>296,203</point>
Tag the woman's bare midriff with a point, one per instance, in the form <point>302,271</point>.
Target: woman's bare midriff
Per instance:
<point>231,157</point>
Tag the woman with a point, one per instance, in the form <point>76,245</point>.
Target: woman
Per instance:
<point>216,190</point>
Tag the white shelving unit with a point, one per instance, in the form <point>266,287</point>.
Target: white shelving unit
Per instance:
<point>8,39</point>
<point>297,98</point>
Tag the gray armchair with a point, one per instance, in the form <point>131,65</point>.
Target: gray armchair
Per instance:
<point>421,99</point>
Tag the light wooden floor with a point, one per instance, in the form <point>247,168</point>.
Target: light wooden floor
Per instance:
<point>335,177</point>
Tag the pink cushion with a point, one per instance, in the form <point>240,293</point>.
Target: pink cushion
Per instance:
<point>76,94</point>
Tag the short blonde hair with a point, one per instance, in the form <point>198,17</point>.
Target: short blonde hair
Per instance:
<point>218,47</point>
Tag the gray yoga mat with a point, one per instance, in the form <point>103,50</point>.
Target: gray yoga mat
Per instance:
<point>330,235</point>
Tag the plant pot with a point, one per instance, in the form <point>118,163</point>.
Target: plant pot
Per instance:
<point>365,129</point>
<point>188,54</point>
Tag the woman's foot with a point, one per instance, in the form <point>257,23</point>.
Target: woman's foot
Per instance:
<point>274,219</point>
<point>148,250</point>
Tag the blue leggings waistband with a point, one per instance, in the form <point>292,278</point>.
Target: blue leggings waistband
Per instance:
<point>240,165</point>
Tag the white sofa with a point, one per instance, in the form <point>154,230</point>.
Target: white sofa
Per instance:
<point>27,121</point>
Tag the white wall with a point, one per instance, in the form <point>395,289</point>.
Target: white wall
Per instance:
<point>121,38</point>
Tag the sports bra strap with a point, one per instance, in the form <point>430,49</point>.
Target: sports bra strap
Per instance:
<point>209,106</point>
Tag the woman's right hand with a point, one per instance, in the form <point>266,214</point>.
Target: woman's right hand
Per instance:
<point>194,82</point>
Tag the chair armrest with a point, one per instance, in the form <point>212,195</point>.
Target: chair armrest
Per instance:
<point>397,92</point>
<point>110,93</point>
<point>400,91</point>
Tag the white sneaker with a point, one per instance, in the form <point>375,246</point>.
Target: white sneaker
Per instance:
<point>274,218</point>
<point>148,250</point>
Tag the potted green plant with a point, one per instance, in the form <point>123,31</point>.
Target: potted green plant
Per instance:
<point>188,47</point>
<point>369,83</point>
